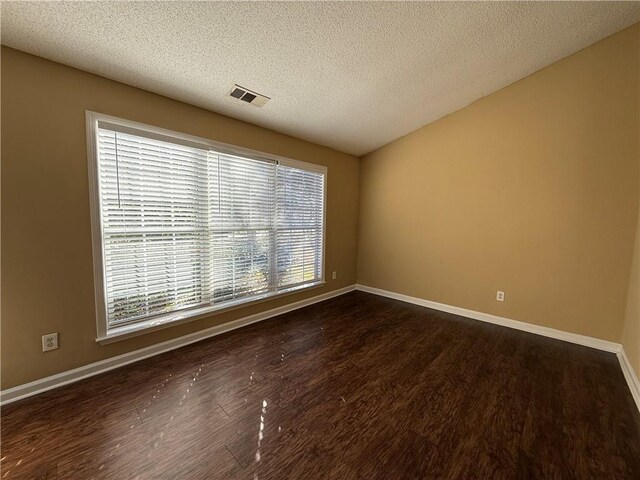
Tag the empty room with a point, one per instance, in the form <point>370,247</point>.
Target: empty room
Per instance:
<point>320,240</point>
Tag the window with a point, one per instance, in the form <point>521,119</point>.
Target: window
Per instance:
<point>184,226</point>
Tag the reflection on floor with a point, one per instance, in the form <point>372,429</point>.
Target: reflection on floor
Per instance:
<point>355,387</point>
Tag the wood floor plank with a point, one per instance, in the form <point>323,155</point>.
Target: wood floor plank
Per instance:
<point>355,387</point>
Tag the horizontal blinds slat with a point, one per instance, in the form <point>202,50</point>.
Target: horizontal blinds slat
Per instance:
<point>185,226</point>
<point>154,298</point>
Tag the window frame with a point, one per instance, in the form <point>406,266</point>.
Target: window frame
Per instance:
<point>156,322</point>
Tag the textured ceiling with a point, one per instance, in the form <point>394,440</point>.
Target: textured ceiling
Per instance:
<point>353,76</point>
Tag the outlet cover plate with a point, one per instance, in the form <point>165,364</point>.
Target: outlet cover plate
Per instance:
<point>49,342</point>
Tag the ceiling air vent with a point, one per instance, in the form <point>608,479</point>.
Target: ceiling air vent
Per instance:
<point>248,96</point>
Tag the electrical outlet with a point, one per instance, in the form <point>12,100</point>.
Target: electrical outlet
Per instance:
<point>49,342</point>
<point>500,296</point>
<point>334,275</point>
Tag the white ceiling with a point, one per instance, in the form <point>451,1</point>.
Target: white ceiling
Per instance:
<point>353,76</point>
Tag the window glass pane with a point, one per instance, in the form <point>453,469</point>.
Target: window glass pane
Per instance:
<point>153,200</point>
<point>240,262</point>
<point>241,193</point>
<point>299,223</point>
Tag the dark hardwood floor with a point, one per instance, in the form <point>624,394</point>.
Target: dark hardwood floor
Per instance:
<point>357,387</point>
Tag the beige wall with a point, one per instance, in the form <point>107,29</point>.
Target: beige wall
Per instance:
<point>631,325</point>
<point>47,275</point>
<point>532,190</point>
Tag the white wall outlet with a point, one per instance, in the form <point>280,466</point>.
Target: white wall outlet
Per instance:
<point>49,342</point>
<point>334,275</point>
<point>500,296</point>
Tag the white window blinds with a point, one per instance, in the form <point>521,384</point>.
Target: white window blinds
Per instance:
<point>299,228</point>
<point>184,227</point>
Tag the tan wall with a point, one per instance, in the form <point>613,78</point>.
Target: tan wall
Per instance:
<point>532,190</point>
<point>47,275</point>
<point>631,326</point>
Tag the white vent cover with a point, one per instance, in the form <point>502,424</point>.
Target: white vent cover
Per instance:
<point>246,95</point>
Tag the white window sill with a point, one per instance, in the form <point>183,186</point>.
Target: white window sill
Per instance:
<point>175,318</point>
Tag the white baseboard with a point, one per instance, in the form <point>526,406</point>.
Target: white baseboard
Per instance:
<point>70,376</point>
<point>627,370</point>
